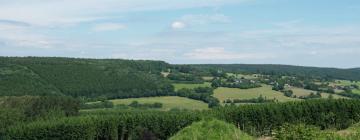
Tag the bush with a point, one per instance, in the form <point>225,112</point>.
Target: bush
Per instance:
<point>297,132</point>
<point>211,130</point>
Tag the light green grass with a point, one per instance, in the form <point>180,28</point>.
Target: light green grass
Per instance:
<point>304,92</point>
<point>211,130</point>
<point>190,86</point>
<point>223,93</point>
<point>207,78</point>
<point>356,91</point>
<point>344,83</point>
<point>168,102</point>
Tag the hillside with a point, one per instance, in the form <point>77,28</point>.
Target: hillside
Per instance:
<point>82,77</point>
<point>316,72</point>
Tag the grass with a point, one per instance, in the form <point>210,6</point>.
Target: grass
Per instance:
<point>304,92</point>
<point>207,78</point>
<point>223,93</point>
<point>190,86</point>
<point>169,102</point>
<point>211,130</point>
<point>356,91</point>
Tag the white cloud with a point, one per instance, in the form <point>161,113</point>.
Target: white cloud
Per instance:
<point>178,25</point>
<point>200,19</point>
<point>22,36</point>
<point>218,53</point>
<point>204,19</point>
<point>60,12</point>
<point>108,27</point>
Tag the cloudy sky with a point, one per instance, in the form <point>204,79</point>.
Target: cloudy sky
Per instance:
<point>322,33</point>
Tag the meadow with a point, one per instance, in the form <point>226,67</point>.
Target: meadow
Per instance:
<point>304,92</point>
<point>235,93</point>
<point>169,102</point>
<point>190,86</point>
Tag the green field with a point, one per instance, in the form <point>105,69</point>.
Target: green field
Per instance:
<point>223,93</point>
<point>207,78</point>
<point>190,86</point>
<point>357,91</point>
<point>169,102</point>
<point>304,92</point>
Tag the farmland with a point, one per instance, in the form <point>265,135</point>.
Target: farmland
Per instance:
<point>234,93</point>
<point>304,92</point>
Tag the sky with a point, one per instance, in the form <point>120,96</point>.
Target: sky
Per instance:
<point>323,33</point>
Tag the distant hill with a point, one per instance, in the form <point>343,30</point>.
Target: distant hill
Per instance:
<point>328,73</point>
<point>82,77</point>
<point>117,78</point>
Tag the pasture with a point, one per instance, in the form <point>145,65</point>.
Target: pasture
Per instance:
<point>304,92</point>
<point>190,86</point>
<point>223,93</point>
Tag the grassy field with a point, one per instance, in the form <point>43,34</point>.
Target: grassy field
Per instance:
<point>304,92</point>
<point>190,86</point>
<point>357,91</point>
<point>344,83</point>
<point>235,93</point>
<point>168,102</point>
<point>207,78</point>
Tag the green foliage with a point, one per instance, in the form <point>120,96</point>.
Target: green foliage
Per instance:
<point>262,119</point>
<point>100,104</point>
<point>200,93</point>
<point>259,99</point>
<point>185,78</point>
<point>211,130</point>
<point>88,78</point>
<point>18,110</point>
<point>297,132</point>
<point>106,125</point>
<point>168,102</point>
<point>136,104</point>
<point>235,83</point>
<point>286,70</point>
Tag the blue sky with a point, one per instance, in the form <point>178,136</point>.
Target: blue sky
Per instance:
<point>323,33</point>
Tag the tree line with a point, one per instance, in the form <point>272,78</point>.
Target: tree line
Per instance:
<point>260,119</point>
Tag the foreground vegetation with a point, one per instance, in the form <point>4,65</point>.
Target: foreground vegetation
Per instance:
<point>256,120</point>
<point>211,130</point>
